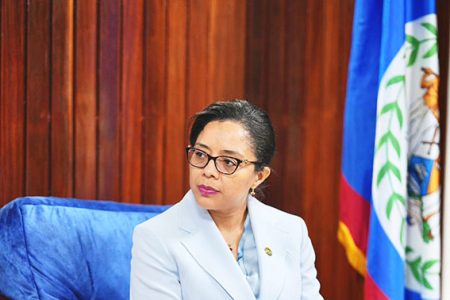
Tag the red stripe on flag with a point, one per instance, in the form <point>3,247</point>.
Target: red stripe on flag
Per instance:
<point>354,212</point>
<point>371,290</point>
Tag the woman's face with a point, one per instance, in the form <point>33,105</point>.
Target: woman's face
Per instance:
<point>216,191</point>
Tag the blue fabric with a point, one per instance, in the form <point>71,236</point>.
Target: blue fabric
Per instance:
<point>247,258</point>
<point>54,248</point>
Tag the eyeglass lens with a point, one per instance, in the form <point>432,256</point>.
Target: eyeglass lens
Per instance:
<point>223,164</point>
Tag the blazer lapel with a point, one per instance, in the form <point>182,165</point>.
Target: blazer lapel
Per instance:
<point>207,246</point>
<point>271,253</point>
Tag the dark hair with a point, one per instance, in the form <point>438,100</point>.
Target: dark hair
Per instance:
<point>253,119</point>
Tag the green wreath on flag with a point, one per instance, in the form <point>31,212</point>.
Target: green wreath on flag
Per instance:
<point>390,139</point>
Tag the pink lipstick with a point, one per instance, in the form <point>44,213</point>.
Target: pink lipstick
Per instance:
<point>207,191</point>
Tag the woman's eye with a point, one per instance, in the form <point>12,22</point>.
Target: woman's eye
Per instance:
<point>199,154</point>
<point>229,162</point>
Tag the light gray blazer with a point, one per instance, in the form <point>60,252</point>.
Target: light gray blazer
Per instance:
<point>180,254</point>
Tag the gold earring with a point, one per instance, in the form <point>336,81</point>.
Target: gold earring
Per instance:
<point>253,192</point>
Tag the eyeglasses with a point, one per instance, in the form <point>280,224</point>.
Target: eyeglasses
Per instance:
<point>224,164</point>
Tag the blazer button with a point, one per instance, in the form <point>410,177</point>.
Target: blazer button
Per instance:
<point>268,251</point>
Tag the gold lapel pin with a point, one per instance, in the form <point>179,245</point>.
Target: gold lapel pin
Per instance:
<point>268,251</point>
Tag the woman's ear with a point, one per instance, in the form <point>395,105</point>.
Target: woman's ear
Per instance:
<point>261,176</point>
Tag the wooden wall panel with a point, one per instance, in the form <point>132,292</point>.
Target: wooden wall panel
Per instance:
<point>110,87</point>
<point>198,82</point>
<point>174,139</point>
<point>12,100</point>
<point>62,139</point>
<point>296,73</point>
<point>85,95</point>
<point>38,97</point>
<point>226,49</point>
<point>274,79</point>
<point>255,52</point>
<point>294,87</point>
<point>96,96</point>
<point>350,283</point>
<point>109,104</point>
<point>131,100</point>
<point>155,87</point>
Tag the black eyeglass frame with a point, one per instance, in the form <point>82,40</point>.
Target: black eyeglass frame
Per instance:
<point>214,158</point>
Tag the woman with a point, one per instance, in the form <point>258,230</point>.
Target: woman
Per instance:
<point>219,242</point>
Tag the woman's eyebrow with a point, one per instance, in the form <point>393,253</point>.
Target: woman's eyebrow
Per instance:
<point>202,145</point>
<point>228,152</point>
<point>231,152</point>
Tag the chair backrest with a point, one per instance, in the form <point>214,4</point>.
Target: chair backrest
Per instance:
<point>55,248</point>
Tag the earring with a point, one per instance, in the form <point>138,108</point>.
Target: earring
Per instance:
<point>253,192</point>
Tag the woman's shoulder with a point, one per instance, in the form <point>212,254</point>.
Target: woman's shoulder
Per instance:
<point>278,217</point>
<point>162,224</point>
<point>169,223</point>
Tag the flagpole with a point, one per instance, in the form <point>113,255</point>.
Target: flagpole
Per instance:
<point>446,206</point>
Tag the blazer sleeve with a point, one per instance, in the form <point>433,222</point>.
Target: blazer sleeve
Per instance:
<point>154,272</point>
<point>310,284</point>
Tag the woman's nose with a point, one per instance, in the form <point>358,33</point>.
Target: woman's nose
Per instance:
<point>210,169</point>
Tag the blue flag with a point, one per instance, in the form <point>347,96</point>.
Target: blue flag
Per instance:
<point>390,193</point>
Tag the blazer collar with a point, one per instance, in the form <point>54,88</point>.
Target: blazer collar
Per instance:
<point>270,238</point>
<point>207,246</point>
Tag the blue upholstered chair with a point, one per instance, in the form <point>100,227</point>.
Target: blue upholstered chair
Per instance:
<point>54,248</point>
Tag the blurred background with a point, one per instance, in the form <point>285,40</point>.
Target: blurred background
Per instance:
<point>96,96</point>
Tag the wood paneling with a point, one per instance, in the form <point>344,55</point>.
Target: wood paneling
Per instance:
<point>197,80</point>
<point>100,93</point>
<point>131,100</point>
<point>62,138</point>
<point>38,97</point>
<point>12,100</point>
<point>174,139</point>
<point>96,96</point>
<point>296,68</point>
<point>109,104</point>
<point>300,84</point>
<point>226,50</point>
<point>155,87</point>
<point>85,95</point>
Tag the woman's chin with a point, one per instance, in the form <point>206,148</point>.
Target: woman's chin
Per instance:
<point>208,203</point>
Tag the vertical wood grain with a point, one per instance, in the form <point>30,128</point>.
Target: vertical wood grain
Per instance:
<point>226,44</point>
<point>95,95</point>
<point>132,114</point>
<point>312,94</point>
<point>38,83</point>
<point>109,79</point>
<point>155,70</point>
<point>62,138</point>
<point>354,282</point>
<point>85,100</point>
<point>175,137</point>
<point>198,75</point>
<point>294,88</point>
<point>257,15</point>
<point>274,91</point>
<point>197,56</point>
<point>293,72</point>
<point>330,147</point>
<point>12,104</point>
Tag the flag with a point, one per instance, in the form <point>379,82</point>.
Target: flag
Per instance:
<point>390,194</point>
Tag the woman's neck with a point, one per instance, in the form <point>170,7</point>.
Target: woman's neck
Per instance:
<point>231,226</point>
<point>230,221</point>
